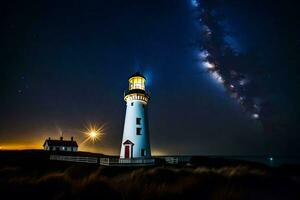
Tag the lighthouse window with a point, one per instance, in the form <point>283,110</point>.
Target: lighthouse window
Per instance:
<point>131,103</point>
<point>143,152</point>
<point>138,131</point>
<point>138,121</point>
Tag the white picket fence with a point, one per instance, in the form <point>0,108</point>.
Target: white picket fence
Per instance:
<point>74,159</point>
<point>127,162</point>
<point>105,161</point>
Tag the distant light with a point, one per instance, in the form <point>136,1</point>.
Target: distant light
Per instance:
<point>93,133</point>
<point>255,116</point>
<point>208,65</point>
<point>271,159</point>
<point>231,86</point>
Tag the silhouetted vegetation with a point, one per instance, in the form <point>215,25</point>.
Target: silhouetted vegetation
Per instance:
<point>29,176</point>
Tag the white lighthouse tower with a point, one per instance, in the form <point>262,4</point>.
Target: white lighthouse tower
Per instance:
<point>135,142</point>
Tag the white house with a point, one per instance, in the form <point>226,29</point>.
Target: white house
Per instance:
<point>135,142</point>
<point>60,145</point>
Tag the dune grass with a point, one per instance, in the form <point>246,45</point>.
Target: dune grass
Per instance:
<point>41,178</point>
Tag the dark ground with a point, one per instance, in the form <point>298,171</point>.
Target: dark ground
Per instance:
<point>31,175</point>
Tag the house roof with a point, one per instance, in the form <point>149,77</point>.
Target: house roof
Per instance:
<point>64,143</point>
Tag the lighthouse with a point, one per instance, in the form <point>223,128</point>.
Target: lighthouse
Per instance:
<point>135,142</point>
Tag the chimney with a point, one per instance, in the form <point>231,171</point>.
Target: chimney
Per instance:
<point>72,138</point>
<point>61,138</point>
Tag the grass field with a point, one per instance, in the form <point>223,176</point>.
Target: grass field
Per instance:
<point>31,175</point>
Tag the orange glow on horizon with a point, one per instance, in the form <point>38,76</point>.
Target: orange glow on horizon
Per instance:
<point>22,146</point>
<point>16,146</point>
<point>158,152</point>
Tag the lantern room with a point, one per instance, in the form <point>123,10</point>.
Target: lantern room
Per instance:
<point>137,82</point>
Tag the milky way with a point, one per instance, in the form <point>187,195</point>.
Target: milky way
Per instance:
<point>224,63</point>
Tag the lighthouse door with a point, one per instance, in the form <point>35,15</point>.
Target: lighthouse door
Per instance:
<point>127,151</point>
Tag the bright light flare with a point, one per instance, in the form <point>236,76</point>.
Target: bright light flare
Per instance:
<point>93,133</point>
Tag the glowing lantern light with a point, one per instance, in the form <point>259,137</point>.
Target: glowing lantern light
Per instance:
<point>137,82</point>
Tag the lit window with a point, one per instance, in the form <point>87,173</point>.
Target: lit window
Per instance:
<point>138,131</point>
<point>138,121</point>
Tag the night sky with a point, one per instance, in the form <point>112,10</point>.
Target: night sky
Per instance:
<point>65,64</point>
